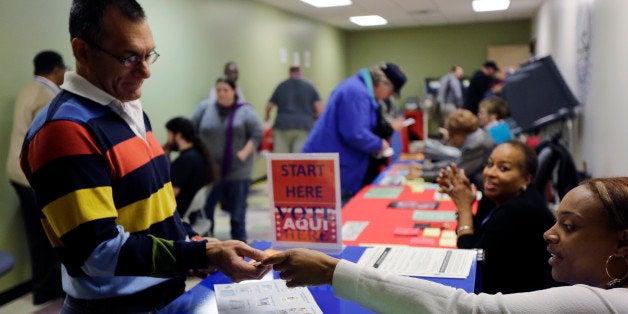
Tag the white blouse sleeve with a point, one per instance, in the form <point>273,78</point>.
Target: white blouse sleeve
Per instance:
<point>386,293</point>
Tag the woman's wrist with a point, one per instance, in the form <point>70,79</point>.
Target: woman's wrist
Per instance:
<point>464,229</point>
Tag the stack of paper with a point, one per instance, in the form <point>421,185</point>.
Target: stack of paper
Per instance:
<point>417,261</point>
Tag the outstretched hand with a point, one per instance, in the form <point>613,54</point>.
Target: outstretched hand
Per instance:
<point>228,257</point>
<point>303,267</point>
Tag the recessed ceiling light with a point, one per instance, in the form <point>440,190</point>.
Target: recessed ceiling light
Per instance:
<point>327,3</point>
<point>490,5</point>
<point>368,20</point>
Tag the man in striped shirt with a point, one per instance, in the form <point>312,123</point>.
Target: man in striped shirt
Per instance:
<point>102,180</point>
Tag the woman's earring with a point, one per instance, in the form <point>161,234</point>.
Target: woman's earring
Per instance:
<point>615,281</point>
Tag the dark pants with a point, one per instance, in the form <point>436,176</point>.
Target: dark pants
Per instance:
<point>45,265</point>
<point>232,196</point>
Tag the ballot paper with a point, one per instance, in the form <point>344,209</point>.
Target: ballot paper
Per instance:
<point>419,261</point>
<point>264,297</point>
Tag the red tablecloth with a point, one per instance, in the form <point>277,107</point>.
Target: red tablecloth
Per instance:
<point>383,221</point>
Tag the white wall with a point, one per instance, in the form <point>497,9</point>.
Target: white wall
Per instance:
<point>556,36</point>
<point>605,139</point>
<point>593,62</point>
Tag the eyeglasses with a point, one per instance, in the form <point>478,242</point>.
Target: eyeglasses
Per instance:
<point>131,61</point>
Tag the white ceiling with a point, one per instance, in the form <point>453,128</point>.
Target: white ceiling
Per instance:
<point>407,13</point>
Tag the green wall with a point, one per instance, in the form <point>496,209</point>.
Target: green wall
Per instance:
<point>196,37</point>
<point>431,51</point>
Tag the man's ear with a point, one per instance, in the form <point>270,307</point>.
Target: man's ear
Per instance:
<point>80,50</point>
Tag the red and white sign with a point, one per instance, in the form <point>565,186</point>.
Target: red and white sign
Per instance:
<point>305,200</point>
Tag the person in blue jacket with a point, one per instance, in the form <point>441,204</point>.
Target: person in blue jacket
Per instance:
<point>348,123</point>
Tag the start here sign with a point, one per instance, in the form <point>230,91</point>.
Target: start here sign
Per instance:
<point>305,200</point>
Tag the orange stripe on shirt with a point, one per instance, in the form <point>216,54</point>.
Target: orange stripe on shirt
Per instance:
<point>126,154</point>
<point>46,144</point>
<point>154,144</point>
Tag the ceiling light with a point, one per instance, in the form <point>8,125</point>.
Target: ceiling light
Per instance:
<point>368,20</point>
<point>490,5</point>
<point>327,3</point>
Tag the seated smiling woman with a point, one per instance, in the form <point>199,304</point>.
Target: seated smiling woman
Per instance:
<point>588,243</point>
<point>509,222</point>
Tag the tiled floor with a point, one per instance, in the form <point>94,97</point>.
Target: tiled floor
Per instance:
<point>257,225</point>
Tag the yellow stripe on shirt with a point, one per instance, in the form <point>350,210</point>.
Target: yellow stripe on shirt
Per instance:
<point>142,214</point>
<point>93,203</point>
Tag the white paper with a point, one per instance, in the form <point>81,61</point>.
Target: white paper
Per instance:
<point>416,261</point>
<point>264,297</point>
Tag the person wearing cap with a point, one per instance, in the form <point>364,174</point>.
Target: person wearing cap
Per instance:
<point>348,123</point>
<point>479,85</point>
<point>45,265</point>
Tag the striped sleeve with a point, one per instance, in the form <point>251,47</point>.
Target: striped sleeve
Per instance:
<point>108,210</point>
<point>73,188</point>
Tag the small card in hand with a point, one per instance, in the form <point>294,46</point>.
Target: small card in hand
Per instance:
<point>413,205</point>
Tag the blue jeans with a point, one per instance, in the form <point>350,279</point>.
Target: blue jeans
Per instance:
<point>232,196</point>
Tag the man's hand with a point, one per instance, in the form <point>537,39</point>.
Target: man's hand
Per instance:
<point>397,124</point>
<point>303,267</point>
<point>228,257</point>
<point>202,273</point>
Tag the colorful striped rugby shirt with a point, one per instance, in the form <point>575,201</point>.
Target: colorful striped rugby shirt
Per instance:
<point>106,200</point>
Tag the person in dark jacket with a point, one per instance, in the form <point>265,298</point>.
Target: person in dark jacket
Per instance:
<point>509,223</point>
<point>194,168</point>
<point>479,84</point>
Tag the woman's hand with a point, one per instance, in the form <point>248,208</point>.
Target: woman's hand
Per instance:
<point>303,267</point>
<point>246,151</point>
<point>455,183</point>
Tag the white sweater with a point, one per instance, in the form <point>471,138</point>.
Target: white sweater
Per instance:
<point>386,293</point>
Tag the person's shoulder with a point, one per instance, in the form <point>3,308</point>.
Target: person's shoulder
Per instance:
<point>285,83</point>
<point>487,139</point>
<point>246,108</point>
<point>34,94</point>
<point>528,204</point>
<point>190,155</point>
<point>69,106</point>
<point>478,74</point>
<point>353,85</point>
<point>305,81</point>
<point>478,139</point>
